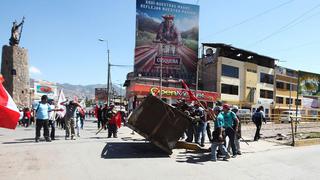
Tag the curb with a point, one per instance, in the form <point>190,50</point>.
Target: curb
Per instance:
<point>307,142</point>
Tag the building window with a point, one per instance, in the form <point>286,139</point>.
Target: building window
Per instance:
<point>266,78</point>
<point>293,87</point>
<point>266,94</point>
<point>291,73</point>
<point>230,71</point>
<point>279,100</point>
<point>13,72</point>
<point>299,102</point>
<point>280,85</point>
<point>229,89</point>
<point>289,100</point>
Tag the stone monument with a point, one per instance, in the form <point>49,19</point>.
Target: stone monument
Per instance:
<point>15,68</point>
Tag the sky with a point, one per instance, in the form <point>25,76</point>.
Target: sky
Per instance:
<point>62,35</point>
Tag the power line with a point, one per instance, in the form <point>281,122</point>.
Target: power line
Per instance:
<point>251,18</point>
<point>292,23</point>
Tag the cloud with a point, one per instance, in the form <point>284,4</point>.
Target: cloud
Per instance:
<point>34,70</point>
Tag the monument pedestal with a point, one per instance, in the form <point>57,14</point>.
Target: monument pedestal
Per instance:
<point>15,70</point>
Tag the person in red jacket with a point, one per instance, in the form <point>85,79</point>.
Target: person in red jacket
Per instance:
<point>26,117</point>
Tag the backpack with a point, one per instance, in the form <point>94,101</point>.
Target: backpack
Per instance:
<point>257,117</point>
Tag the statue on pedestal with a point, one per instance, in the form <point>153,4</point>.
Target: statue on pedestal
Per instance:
<point>16,33</point>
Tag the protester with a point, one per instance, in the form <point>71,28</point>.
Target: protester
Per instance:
<point>82,116</point>
<point>200,116</point>
<point>79,119</point>
<point>112,125</point>
<point>42,118</point>
<point>191,130</point>
<point>52,120</point>
<point>99,115</point>
<point>26,117</point>
<point>104,116</point>
<point>257,118</point>
<point>70,118</point>
<point>235,109</point>
<point>231,127</point>
<point>217,136</point>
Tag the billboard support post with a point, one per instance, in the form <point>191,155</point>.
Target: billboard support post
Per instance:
<point>161,77</point>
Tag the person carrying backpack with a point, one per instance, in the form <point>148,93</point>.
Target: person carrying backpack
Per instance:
<point>257,119</point>
<point>42,113</point>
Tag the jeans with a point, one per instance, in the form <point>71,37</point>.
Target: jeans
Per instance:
<point>53,128</point>
<point>230,132</point>
<point>208,128</point>
<point>112,130</point>
<point>201,131</point>
<point>42,123</point>
<point>78,126</point>
<point>190,132</point>
<point>81,122</point>
<point>69,124</point>
<point>214,146</point>
<point>257,135</point>
<point>237,143</point>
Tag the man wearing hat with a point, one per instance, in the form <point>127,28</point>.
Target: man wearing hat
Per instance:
<point>108,117</point>
<point>217,136</point>
<point>231,125</point>
<point>167,31</point>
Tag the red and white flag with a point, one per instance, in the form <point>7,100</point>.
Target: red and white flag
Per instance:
<point>9,113</point>
<point>191,95</point>
<point>61,99</point>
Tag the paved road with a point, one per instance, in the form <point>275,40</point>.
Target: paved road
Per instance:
<point>130,157</point>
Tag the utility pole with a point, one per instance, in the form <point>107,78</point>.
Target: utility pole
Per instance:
<point>108,83</point>
<point>290,116</point>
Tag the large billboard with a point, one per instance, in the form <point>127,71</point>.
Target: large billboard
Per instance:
<point>309,84</point>
<point>167,37</point>
<point>100,95</point>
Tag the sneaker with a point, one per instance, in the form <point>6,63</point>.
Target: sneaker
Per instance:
<point>227,156</point>
<point>48,140</point>
<point>67,137</point>
<point>78,135</point>
<point>73,138</point>
<point>225,159</point>
<point>234,156</point>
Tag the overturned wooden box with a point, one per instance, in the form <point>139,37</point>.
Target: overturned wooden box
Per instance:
<point>159,123</point>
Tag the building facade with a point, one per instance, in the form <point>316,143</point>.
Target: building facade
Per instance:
<point>242,77</point>
<point>286,84</point>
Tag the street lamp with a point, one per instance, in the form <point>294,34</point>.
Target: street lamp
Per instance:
<point>108,80</point>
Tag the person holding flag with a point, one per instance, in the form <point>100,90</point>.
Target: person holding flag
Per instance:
<point>113,120</point>
<point>9,113</point>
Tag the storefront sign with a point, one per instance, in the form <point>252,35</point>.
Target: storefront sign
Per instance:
<point>174,93</point>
